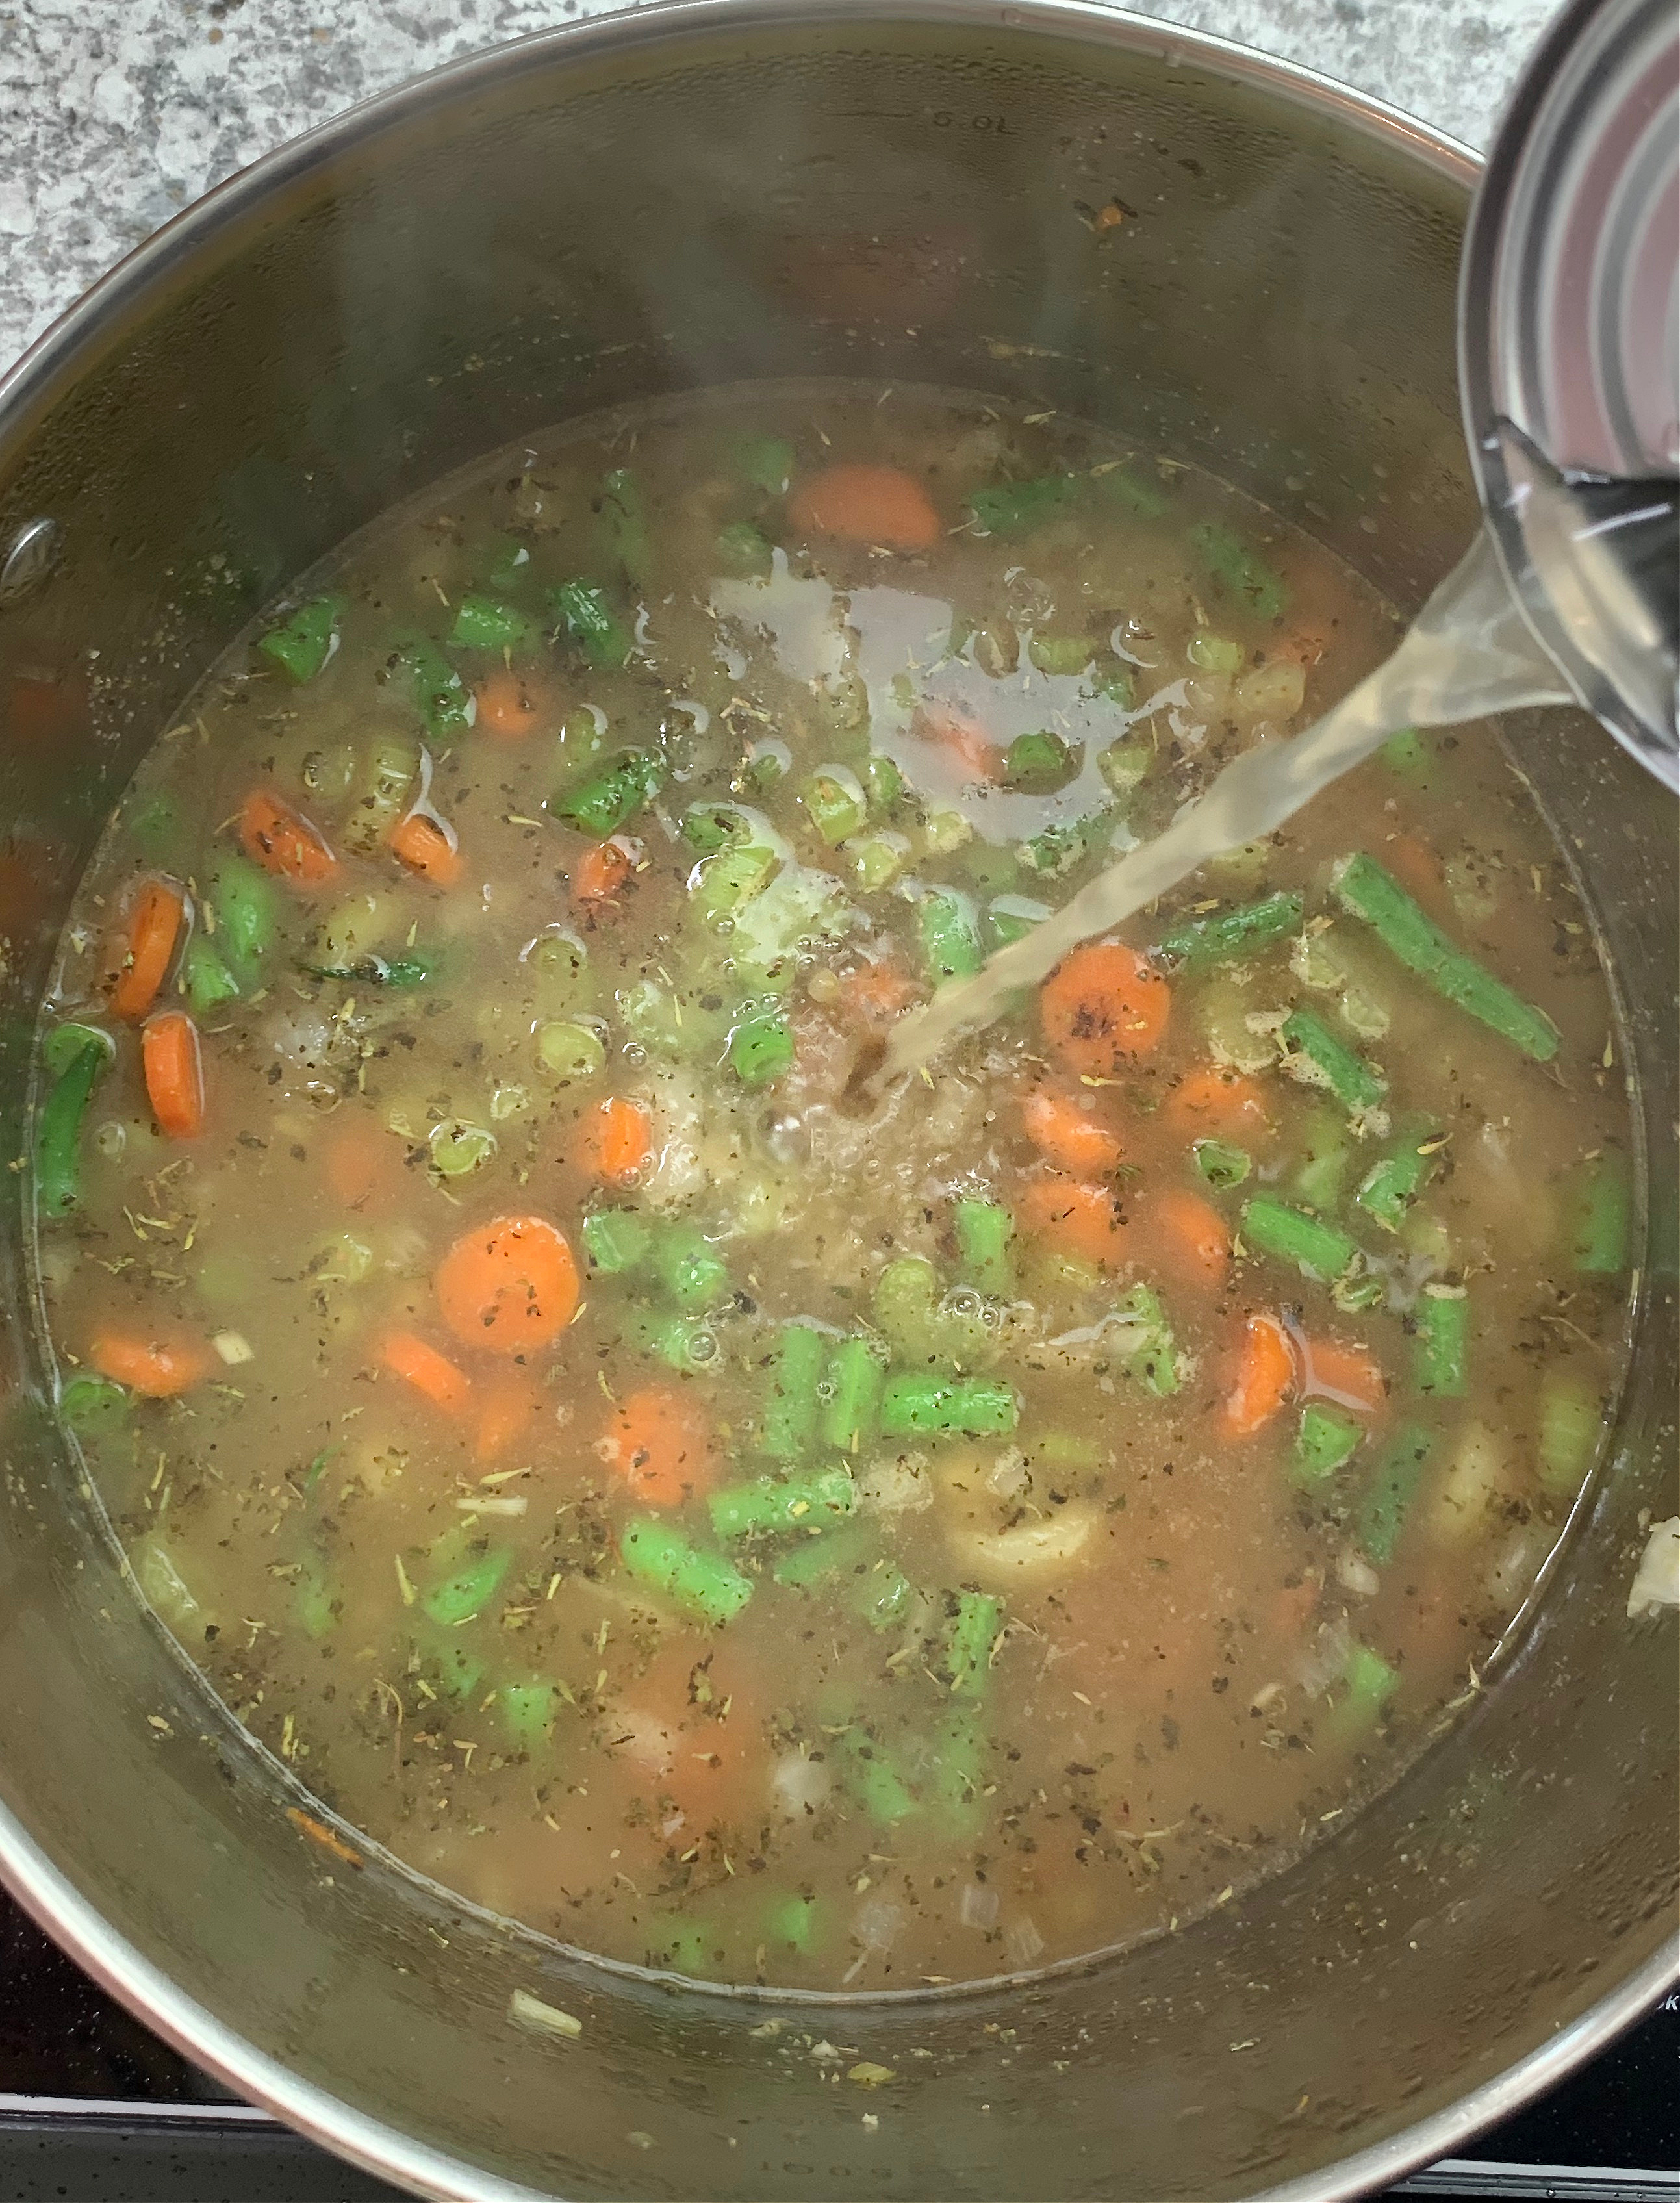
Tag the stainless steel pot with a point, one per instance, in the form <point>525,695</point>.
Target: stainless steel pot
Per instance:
<point>911,188</point>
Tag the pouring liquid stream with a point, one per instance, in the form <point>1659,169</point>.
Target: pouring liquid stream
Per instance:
<point>1469,652</point>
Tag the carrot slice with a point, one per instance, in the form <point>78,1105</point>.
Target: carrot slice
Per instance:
<point>1334,1369</point>
<point>1216,1100</point>
<point>428,847</point>
<point>1189,1236</point>
<point>157,1368</point>
<point>319,1832</point>
<point>1081,1220</point>
<point>511,707</point>
<point>963,736</point>
<point>614,1139</point>
<point>600,873</point>
<point>154,928</point>
<point>1102,1007</point>
<point>283,841</point>
<point>508,1286</point>
<point>432,1374</point>
<point>1265,1376</point>
<point>174,1065</point>
<point>510,1412</point>
<point>1415,865</point>
<point>1067,1135</point>
<point>877,505</point>
<point>660,1442</point>
<point>363,1166</point>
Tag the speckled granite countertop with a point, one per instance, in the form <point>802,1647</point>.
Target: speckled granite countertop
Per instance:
<point>114,114</point>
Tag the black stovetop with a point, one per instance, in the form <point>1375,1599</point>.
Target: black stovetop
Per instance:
<point>95,2109</point>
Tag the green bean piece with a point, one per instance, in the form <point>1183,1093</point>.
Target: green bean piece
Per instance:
<point>874,1781</point>
<point>602,805</point>
<point>1389,1188</point>
<point>921,1405</point>
<point>744,552</point>
<point>1324,1442</point>
<point>1359,1290</point>
<point>1441,1347</point>
<point>691,1949</point>
<point>1220,1165</point>
<point>706,827</point>
<point>970,1636</point>
<point>469,1589</point>
<point>789,1421</point>
<point>1231,935</point>
<point>1011,917</point>
<point>851,1396</point>
<point>692,1273</point>
<point>985,1230</point>
<point>1214,653</point>
<point>58,1126</point>
<point>443,699</point>
<point>1364,889</point>
<point>527,1712</point>
<point>1250,580</point>
<point>65,1043</point>
<point>1017,508</point>
<point>460,1669</point>
<point>883,782</point>
<point>877,859</point>
<point>624,521</point>
<point>792,1923</point>
<point>950,935</point>
<point>1144,499</point>
<point>1330,1063</point>
<point>1147,1351</point>
<point>818,1556</point>
<point>834,802</point>
<point>1370,1683</point>
<point>1318,1250</point>
<point>312,1601</point>
<point>303,643</point>
<point>684,1343</point>
<point>1601,1203</point>
<point>769,1504</point>
<point>483,623</point>
<point>954,1782</point>
<point>765,463</point>
<point>761,1049</point>
<point>91,1404</point>
<point>704,1584</point>
<point>1381,1512</point>
<point>246,903</point>
<point>204,979</point>
<point>1039,762</point>
<point>507,562</point>
<point>723,885</point>
<point>919,1325</point>
<point>1571,1420</point>
<point>591,625</point>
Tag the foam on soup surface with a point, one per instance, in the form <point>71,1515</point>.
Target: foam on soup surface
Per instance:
<point>724,1524</point>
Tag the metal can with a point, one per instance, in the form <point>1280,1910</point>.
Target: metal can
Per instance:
<point>1568,327</point>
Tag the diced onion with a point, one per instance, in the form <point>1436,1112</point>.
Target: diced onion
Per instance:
<point>978,1907</point>
<point>233,1347</point>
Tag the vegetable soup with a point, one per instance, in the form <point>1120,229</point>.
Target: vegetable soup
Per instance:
<point>731,1523</point>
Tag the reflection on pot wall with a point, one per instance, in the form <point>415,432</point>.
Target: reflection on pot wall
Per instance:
<point>1226,270</point>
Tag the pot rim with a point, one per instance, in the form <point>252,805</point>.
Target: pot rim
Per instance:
<point>63,350</point>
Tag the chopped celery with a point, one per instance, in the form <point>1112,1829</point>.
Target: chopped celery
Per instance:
<point>765,463</point>
<point>877,859</point>
<point>710,826</point>
<point>1572,1418</point>
<point>1146,499</point>
<point>1381,1515</point>
<point>1443,1345</point>
<point>1214,653</point>
<point>984,1232</point>
<point>570,1051</point>
<point>970,1638</point>
<point>1406,756</point>
<point>469,1589</point>
<point>1250,580</point>
<point>378,793</point>
<point>951,946</point>
<point>695,1276</point>
<point>527,1712</point>
<point>1017,508</point>
<point>724,883</point>
<point>818,1556</point>
<point>761,1049</point>
<point>771,1503</point>
<point>1600,1218</point>
<point>484,623</point>
<point>204,979</point>
<point>1388,1189</point>
<point>1063,654</point>
<point>1127,764</point>
<point>793,1922</point>
<point>834,802</point>
<point>789,1419</point>
<point>744,552</point>
<point>1038,762</point>
<point>91,1404</point>
<point>1147,1350</point>
<point>615,1240</point>
<point>302,643</point>
<point>883,781</point>
<point>851,1394</point>
<point>1370,1682</point>
<point>1220,1165</point>
<point>684,1343</point>
<point>920,1326</point>
<point>1327,1161</point>
<point>1059,848</point>
<point>874,1781</point>
<point>1324,1442</point>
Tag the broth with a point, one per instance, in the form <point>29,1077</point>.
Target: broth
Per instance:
<point>725,1524</point>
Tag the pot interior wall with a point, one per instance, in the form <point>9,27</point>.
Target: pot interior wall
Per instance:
<point>680,200</point>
